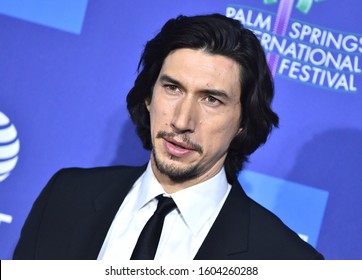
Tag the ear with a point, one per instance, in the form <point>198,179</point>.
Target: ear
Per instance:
<point>148,104</point>
<point>240,130</point>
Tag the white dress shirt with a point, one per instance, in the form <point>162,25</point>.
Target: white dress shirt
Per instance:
<point>184,229</point>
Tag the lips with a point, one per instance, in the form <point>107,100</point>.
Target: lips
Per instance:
<point>176,148</point>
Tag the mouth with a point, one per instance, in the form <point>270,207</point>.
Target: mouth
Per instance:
<point>179,144</point>
<point>177,148</point>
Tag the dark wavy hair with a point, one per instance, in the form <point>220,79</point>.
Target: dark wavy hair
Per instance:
<point>219,35</point>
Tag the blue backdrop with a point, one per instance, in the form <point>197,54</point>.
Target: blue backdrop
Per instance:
<point>66,67</point>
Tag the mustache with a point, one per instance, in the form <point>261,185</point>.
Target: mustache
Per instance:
<point>185,139</point>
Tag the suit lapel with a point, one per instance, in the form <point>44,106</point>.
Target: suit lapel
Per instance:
<point>228,237</point>
<point>91,231</point>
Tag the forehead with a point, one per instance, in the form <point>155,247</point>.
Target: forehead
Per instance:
<point>199,68</point>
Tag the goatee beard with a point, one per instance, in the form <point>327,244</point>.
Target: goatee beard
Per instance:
<point>177,175</point>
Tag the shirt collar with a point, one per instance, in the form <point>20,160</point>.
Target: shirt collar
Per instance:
<point>149,188</point>
<point>203,198</point>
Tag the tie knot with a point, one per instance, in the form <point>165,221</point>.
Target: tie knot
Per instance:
<point>165,205</point>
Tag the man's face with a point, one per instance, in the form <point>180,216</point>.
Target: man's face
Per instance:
<point>195,113</point>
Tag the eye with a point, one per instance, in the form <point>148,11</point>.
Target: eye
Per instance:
<point>171,88</point>
<point>212,101</point>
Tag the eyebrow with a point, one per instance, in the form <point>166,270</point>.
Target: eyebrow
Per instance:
<point>214,92</point>
<point>168,79</point>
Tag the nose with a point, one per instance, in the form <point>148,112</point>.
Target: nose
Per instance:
<point>185,115</point>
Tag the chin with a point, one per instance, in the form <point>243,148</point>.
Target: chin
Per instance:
<point>174,169</point>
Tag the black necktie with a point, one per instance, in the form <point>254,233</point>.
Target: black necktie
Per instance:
<point>147,242</point>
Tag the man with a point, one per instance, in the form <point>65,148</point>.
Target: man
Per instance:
<point>201,104</point>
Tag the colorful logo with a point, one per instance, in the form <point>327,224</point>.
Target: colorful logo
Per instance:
<point>9,147</point>
<point>303,52</point>
<point>66,15</point>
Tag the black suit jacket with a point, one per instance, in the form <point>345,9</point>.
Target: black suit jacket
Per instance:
<point>72,215</point>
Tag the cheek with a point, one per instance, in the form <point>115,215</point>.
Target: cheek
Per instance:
<point>159,115</point>
<point>221,132</point>
<point>226,125</point>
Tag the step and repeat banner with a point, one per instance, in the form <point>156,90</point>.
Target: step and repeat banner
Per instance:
<point>66,67</point>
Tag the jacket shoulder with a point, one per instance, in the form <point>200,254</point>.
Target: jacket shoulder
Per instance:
<point>93,178</point>
<point>94,173</point>
<point>76,205</point>
<point>274,238</point>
